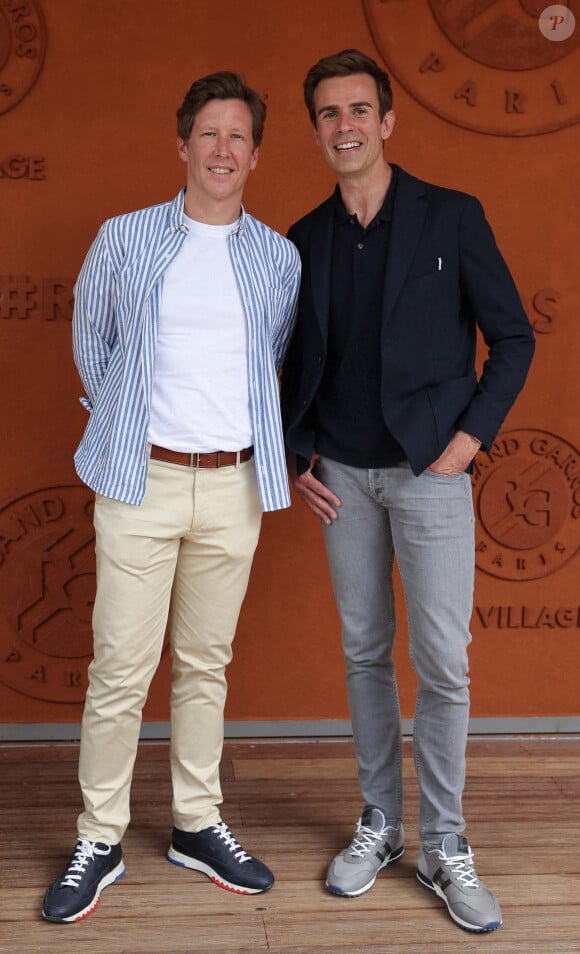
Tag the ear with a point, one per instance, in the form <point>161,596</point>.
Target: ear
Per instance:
<point>254,159</point>
<point>316,136</point>
<point>387,124</point>
<point>182,149</point>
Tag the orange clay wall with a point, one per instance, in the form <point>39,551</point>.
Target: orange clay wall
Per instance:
<point>485,103</point>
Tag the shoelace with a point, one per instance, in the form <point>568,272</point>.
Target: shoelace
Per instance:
<point>85,851</point>
<point>230,842</point>
<point>365,840</point>
<point>462,867</point>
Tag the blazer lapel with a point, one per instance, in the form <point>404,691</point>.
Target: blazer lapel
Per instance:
<point>409,214</point>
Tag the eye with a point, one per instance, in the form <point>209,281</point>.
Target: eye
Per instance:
<point>329,114</point>
<point>209,133</point>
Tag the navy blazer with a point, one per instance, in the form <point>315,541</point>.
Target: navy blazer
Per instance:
<point>445,277</point>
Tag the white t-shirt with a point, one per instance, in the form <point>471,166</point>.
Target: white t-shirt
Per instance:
<point>200,397</point>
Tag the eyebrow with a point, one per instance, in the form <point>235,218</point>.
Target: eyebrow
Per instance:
<point>214,128</point>
<point>363,102</point>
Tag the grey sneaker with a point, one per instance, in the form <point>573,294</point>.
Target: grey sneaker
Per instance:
<point>374,846</point>
<point>449,874</point>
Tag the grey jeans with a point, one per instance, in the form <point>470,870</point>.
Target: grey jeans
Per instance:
<point>427,523</point>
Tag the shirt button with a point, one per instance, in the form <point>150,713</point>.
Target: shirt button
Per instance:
<point>361,245</point>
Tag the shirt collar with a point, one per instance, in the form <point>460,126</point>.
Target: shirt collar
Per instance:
<point>385,213</point>
<point>176,222</point>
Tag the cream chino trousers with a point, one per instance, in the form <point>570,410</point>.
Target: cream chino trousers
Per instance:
<point>190,545</point>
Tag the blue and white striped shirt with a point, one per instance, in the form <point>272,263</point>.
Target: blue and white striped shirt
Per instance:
<point>117,297</point>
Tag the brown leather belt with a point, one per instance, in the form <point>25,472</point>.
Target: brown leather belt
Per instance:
<point>213,459</point>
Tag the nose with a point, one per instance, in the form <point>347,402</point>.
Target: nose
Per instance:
<point>222,145</point>
<point>344,120</point>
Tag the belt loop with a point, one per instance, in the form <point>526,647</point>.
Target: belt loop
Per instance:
<point>218,458</point>
<point>237,464</point>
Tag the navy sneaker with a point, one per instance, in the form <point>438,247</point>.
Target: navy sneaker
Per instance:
<point>215,852</point>
<point>77,891</point>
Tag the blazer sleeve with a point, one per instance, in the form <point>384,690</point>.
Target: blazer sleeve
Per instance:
<point>292,358</point>
<point>494,303</point>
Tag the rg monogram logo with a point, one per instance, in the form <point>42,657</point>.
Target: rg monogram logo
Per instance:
<point>527,496</point>
<point>47,585</point>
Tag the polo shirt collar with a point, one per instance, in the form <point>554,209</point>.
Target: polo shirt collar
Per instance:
<point>385,213</point>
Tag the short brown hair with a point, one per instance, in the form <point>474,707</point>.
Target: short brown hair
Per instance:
<point>222,85</point>
<point>345,63</point>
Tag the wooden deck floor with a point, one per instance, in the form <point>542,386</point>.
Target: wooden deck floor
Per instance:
<point>294,804</point>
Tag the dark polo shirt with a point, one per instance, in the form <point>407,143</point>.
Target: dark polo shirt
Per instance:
<point>346,414</point>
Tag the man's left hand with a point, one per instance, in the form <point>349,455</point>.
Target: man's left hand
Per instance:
<point>458,454</point>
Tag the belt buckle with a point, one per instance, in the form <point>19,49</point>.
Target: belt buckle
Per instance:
<point>194,460</point>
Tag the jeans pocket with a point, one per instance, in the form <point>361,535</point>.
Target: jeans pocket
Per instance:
<point>434,475</point>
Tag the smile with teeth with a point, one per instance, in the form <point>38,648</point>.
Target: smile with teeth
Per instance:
<point>220,170</point>
<point>344,146</point>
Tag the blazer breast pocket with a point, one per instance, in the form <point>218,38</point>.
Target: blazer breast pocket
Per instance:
<point>433,266</point>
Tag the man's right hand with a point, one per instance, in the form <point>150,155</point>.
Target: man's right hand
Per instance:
<point>318,498</point>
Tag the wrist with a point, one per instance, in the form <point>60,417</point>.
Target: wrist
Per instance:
<point>474,441</point>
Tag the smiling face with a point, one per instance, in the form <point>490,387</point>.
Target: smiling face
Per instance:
<point>220,155</point>
<point>348,127</point>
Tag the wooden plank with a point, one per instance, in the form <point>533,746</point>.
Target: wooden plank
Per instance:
<point>295,806</point>
<point>301,768</point>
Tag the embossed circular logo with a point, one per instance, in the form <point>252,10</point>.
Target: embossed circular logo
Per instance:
<point>22,47</point>
<point>527,498</point>
<point>47,585</point>
<point>485,65</point>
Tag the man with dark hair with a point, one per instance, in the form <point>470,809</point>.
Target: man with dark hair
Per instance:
<point>183,312</point>
<point>383,413</point>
